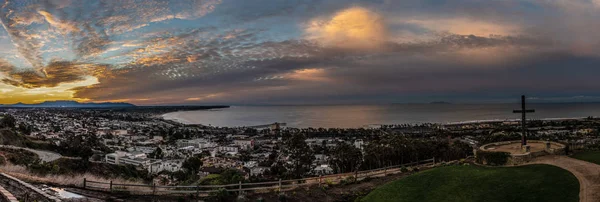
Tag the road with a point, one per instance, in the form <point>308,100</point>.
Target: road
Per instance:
<point>45,156</point>
<point>587,173</point>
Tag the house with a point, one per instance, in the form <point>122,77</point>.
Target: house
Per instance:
<point>204,171</point>
<point>323,169</point>
<point>244,144</point>
<point>169,165</point>
<point>321,158</point>
<point>259,170</point>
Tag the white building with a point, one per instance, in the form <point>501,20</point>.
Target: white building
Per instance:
<point>259,170</point>
<point>323,170</point>
<point>359,144</point>
<point>227,149</point>
<point>135,158</point>
<point>169,165</point>
<point>199,143</point>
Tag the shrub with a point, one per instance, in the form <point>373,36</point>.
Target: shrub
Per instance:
<point>492,158</point>
<point>403,169</point>
<point>282,197</point>
<point>2,160</point>
<point>348,180</point>
<point>220,195</point>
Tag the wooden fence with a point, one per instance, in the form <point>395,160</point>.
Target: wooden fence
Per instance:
<point>203,190</point>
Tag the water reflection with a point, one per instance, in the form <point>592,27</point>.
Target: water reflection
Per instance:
<point>361,115</point>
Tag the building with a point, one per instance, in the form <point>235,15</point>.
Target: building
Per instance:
<point>244,144</point>
<point>323,169</point>
<point>135,158</point>
<point>199,143</point>
<point>259,170</point>
<point>169,165</point>
<point>228,149</point>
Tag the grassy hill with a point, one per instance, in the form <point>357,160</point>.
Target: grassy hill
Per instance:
<point>10,137</point>
<point>589,156</point>
<point>474,183</point>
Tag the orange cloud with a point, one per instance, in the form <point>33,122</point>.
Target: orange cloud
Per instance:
<point>65,26</point>
<point>214,95</point>
<point>310,74</point>
<point>352,28</point>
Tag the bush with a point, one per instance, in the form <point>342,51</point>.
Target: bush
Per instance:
<point>403,169</point>
<point>220,195</point>
<point>492,158</point>
<point>282,197</point>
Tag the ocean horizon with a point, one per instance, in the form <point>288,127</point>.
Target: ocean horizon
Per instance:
<point>356,116</point>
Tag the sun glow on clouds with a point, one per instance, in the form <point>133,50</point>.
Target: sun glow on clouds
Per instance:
<point>63,91</point>
<point>310,74</point>
<point>353,28</point>
<point>203,98</point>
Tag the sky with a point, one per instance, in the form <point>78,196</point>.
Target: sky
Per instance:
<point>299,51</point>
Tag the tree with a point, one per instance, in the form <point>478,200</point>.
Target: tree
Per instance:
<point>24,128</point>
<point>8,121</point>
<point>157,153</point>
<point>345,158</point>
<point>300,155</point>
<point>192,165</point>
<point>245,155</point>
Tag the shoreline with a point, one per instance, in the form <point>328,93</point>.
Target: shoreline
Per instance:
<point>176,117</point>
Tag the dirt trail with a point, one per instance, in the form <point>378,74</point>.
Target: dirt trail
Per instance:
<point>587,173</point>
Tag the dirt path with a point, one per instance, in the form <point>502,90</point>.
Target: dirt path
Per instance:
<point>587,173</point>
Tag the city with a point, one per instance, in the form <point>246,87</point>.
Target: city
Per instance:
<point>141,147</point>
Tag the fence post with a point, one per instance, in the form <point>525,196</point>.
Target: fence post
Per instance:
<point>198,191</point>
<point>279,184</point>
<point>153,188</point>
<point>84,182</point>
<point>110,188</point>
<point>384,171</point>
<point>240,189</point>
<point>356,175</point>
<point>320,178</point>
<point>433,161</point>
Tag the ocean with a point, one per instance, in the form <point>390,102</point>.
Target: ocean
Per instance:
<point>355,116</point>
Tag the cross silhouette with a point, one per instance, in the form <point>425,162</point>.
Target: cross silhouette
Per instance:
<point>523,112</point>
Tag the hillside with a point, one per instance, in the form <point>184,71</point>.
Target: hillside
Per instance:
<point>10,137</point>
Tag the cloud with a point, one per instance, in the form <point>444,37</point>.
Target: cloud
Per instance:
<point>63,26</point>
<point>352,28</point>
<point>56,73</point>
<point>217,51</point>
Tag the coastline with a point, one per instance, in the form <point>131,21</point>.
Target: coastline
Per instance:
<point>177,117</point>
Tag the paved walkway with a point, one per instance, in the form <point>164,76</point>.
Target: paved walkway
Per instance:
<point>587,173</point>
<point>45,156</point>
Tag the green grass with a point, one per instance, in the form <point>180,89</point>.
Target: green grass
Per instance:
<point>475,183</point>
<point>589,156</point>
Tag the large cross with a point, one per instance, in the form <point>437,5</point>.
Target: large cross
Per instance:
<point>523,112</point>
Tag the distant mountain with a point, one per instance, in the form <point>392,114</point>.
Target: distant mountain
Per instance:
<point>72,104</point>
<point>440,102</point>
